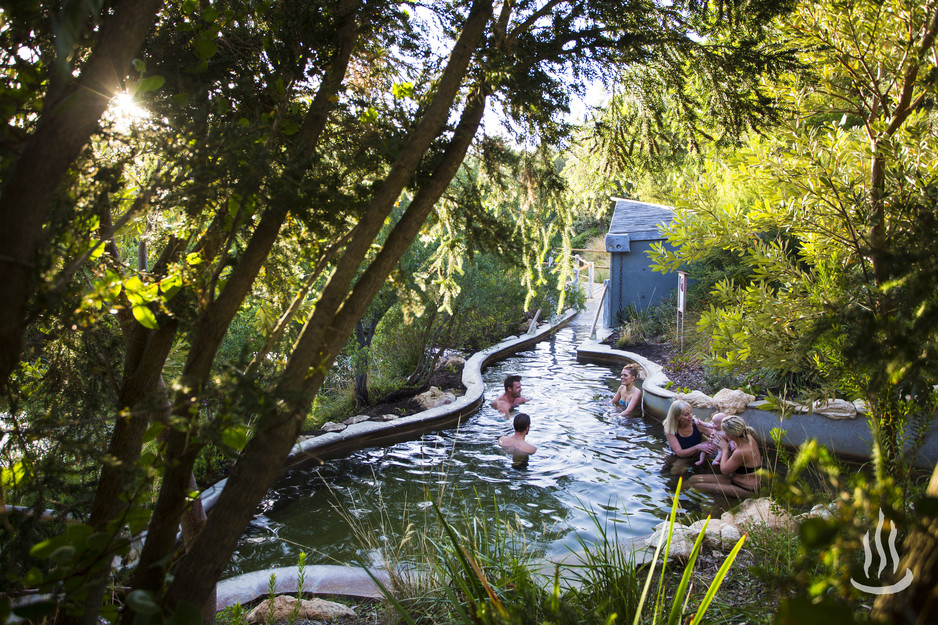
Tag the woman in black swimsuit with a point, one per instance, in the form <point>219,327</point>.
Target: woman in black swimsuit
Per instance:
<point>684,436</point>
<point>738,476</point>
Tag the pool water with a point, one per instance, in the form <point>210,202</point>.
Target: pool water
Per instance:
<point>591,466</point>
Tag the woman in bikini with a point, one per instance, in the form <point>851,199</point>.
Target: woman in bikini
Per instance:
<point>737,477</point>
<point>685,438</point>
<point>628,399</point>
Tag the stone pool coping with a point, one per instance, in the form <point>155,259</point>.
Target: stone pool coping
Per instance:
<point>354,581</point>
<point>851,439</point>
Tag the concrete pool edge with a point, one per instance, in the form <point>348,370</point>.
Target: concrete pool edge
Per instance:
<point>354,581</point>
<point>318,579</point>
<point>851,439</point>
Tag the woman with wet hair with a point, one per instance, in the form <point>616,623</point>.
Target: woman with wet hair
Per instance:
<point>738,475</point>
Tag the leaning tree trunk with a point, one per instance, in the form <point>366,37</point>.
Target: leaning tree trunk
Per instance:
<point>329,328</point>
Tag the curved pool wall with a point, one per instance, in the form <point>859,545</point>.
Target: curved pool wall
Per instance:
<point>851,439</point>
<point>376,433</point>
<point>350,580</point>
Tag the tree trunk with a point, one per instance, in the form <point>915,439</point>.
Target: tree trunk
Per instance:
<point>326,332</point>
<point>66,124</point>
<point>213,323</point>
<point>917,604</point>
<point>364,332</point>
<point>143,393</point>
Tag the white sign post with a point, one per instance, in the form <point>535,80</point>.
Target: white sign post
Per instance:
<point>681,302</point>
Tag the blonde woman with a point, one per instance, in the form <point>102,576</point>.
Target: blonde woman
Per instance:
<point>686,437</point>
<point>737,476</point>
<point>628,399</point>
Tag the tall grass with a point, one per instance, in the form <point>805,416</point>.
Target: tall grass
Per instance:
<point>479,574</point>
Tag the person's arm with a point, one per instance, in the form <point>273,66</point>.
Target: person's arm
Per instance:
<point>618,396</point>
<point>521,400</point>
<point>729,461</point>
<point>705,428</point>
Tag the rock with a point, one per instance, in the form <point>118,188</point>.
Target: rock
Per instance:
<point>283,606</point>
<point>732,401</point>
<point>387,417</point>
<point>729,535</point>
<point>697,399</point>
<point>451,360</point>
<point>714,529</point>
<point>798,408</point>
<point>434,397</point>
<point>331,426</point>
<point>714,532</point>
<point>356,419</point>
<point>835,409</point>
<point>820,511</point>
<point>682,541</point>
<point>861,406</point>
<point>754,511</point>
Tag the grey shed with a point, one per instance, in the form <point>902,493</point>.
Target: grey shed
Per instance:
<point>635,226</point>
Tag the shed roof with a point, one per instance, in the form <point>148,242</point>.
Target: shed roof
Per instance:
<point>640,220</point>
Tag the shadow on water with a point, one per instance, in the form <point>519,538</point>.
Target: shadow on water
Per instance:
<point>588,462</point>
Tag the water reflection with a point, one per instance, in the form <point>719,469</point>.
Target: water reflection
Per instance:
<point>587,462</point>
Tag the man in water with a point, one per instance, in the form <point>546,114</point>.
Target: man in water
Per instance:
<point>511,397</point>
<point>516,443</point>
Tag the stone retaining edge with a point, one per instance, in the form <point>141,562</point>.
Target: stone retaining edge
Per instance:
<point>851,439</point>
<point>348,580</point>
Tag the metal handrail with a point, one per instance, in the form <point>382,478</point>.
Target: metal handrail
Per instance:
<point>599,310</point>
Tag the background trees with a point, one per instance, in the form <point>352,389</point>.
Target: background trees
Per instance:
<point>827,211</point>
<point>280,140</point>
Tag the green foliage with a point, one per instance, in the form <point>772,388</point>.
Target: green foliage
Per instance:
<point>830,549</point>
<point>647,324</point>
<point>479,574</point>
<point>819,224</point>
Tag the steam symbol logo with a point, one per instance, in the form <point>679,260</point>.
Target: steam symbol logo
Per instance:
<point>899,586</point>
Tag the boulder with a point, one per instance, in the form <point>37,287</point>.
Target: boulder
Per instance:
<point>835,409</point>
<point>451,360</point>
<point>797,408</point>
<point>331,426</point>
<point>731,401</point>
<point>284,605</point>
<point>434,397</point>
<point>755,511</point>
<point>387,417</point>
<point>719,535</point>
<point>682,540</point>
<point>356,419</point>
<point>729,535</point>
<point>697,399</point>
<point>820,511</point>
<point>713,532</point>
